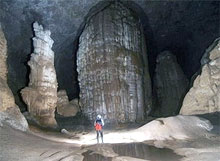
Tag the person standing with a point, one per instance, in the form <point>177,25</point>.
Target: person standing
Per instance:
<point>98,124</point>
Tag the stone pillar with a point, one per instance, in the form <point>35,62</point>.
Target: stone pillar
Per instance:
<point>170,85</point>
<point>204,96</point>
<point>41,93</point>
<point>112,66</point>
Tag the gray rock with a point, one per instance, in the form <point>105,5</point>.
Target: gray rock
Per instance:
<point>64,106</point>
<point>13,117</point>
<point>204,96</point>
<point>170,85</point>
<point>113,67</point>
<point>41,93</point>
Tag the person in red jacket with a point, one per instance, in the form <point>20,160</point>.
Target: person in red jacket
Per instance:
<point>98,124</point>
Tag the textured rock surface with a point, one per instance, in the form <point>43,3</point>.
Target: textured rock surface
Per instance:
<point>204,96</point>
<point>9,112</point>
<point>41,93</point>
<point>170,85</point>
<point>13,117</point>
<point>66,107</point>
<point>112,66</point>
<point>6,96</point>
<point>166,26</point>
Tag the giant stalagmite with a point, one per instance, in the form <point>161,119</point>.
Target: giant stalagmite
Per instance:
<point>41,93</point>
<point>204,96</point>
<point>113,67</point>
<point>9,111</point>
<point>170,85</point>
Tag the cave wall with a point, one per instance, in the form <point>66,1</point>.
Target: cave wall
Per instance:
<point>112,66</point>
<point>186,28</point>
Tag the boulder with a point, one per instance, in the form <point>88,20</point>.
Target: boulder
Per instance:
<point>170,85</point>
<point>13,117</point>
<point>112,66</point>
<point>41,93</point>
<point>204,96</point>
<point>64,106</point>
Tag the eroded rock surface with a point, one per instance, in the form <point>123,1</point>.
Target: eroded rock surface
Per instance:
<point>66,107</point>
<point>170,85</point>
<point>6,96</point>
<point>9,111</point>
<point>41,93</point>
<point>204,96</point>
<point>112,66</point>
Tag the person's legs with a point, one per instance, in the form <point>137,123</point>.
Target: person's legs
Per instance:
<point>101,132</point>
<point>97,137</point>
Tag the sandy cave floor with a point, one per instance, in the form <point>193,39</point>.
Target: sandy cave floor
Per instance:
<point>81,146</point>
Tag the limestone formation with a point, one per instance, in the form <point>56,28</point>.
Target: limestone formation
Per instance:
<point>204,96</point>
<point>6,96</point>
<point>170,85</point>
<point>64,106</point>
<point>9,111</point>
<point>41,93</point>
<point>112,66</point>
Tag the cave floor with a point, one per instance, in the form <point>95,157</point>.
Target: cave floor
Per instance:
<point>81,146</point>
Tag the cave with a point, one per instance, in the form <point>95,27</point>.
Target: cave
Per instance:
<point>143,65</point>
<point>166,26</point>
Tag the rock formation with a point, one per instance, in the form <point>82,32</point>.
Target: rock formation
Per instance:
<point>204,96</point>
<point>9,111</point>
<point>112,66</point>
<point>41,93</point>
<point>6,96</point>
<point>64,106</point>
<point>170,85</point>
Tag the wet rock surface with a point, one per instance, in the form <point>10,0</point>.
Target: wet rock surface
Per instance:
<point>112,66</point>
<point>41,93</point>
<point>204,96</point>
<point>170,85</point>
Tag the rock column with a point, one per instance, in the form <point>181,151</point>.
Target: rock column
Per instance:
<point>41,93</point>
<point>113,67</point>
<point>170,85</point>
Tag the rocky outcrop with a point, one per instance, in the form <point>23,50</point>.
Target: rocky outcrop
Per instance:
<point>9,111</point>
<point>6,96</point>
<point>112,66</point>
<point>41,93</point>
<point>204,96</point>
<point>170,85</point>
<point>64,106</point>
